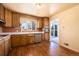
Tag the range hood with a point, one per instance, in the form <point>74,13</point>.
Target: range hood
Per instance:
<point>2,22</point>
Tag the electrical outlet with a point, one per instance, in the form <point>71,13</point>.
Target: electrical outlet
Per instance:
<point>66,44</point>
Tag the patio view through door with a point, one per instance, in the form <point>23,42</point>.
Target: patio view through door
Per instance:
<point>54,31</point>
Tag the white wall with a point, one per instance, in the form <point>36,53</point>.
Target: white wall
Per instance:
<point>69,27</point>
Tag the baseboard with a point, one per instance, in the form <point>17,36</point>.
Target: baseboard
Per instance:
<point>72,51</point>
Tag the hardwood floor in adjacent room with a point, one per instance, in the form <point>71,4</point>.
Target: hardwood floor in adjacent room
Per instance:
<point>41,49</point>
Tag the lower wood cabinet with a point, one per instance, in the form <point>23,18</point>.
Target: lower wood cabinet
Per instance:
<point>20,40</point>
<point>7,46</point>
<point>23,40</point>
<point>46,36</point>
<point>4,46</point>
<point>15,40</point>
<point>2,53</point>
<point>27,39</point>
<point>31,38</point>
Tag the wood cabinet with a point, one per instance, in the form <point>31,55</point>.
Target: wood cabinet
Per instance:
<point>20,40</point>
<point>24,40</point>
<point>31,38</point>
<point>2,47</point>
<point>8,18</point>
<point>46,36</point>
<point>27,39</point>
<point>1,12</point>
<point>40,22</point>
<point>45,21</point>
<point>46,26</point>
<point>42,37</point>
<point>15,19</point>
<point>15,40</point>
<point>12,19</point>
<point>7,45</point>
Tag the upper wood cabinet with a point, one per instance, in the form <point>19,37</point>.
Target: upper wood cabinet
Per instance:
<point>40,23</point>
<point>8,18</point>
<point>15,19</point>
<point>46,21</point>
<point>12,19</point>
<point>1,12</point>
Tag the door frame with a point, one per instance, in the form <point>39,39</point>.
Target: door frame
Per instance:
<point>51,21</point>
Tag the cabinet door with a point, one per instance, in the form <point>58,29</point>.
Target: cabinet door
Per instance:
<point>7,45</point>
<point>46,21</point>
<point>40,23</point>
<point>42,37</point>
<point>15,41</point>
<point>46,36</point>
<point>1,47</point>
<point>24,40</point>
<point>8,18</point>
<point>16,19</point>
<point>31,38</point>
<point>1,12</point>
<point>27,39</point>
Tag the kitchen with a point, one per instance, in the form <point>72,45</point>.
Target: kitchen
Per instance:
<point>39,29</point>
<point>13,33</point>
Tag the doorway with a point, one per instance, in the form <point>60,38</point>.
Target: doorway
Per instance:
<point>54,31</point>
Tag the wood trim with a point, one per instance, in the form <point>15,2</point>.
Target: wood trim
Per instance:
<point>72,51</point>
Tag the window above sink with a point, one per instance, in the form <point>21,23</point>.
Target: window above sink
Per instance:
<point>28,23</point>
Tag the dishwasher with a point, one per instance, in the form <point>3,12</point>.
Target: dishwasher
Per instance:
<point>38,37</point>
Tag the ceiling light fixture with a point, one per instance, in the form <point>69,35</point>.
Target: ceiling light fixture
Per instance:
<point>39,5</point>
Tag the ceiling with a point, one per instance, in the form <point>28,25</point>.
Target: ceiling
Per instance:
<point>45,9</point>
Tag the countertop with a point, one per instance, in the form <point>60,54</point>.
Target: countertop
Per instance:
<point>2,37</point>
<point>18,33</point>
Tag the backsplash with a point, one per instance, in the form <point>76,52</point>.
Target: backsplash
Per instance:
<point>10,29</point>
<point>0,29</point>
